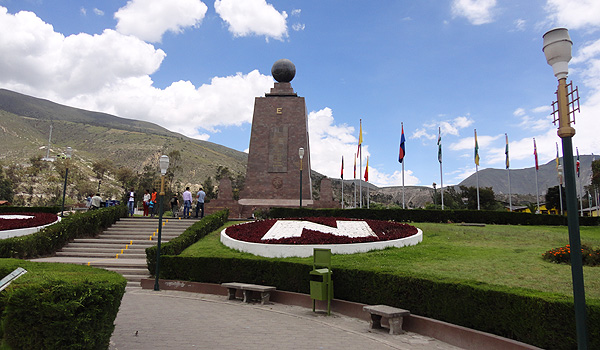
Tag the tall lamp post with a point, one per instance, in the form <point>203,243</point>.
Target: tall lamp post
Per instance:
<point>164,164</point>
<point>68,153</point>
<point>557,49</point>
<point>301,154</point>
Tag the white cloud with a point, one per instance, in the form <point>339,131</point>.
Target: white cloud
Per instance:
<point>475,11</point>
<point>252,17</point>
<point>519,112</point>
<point>422,133</point>
<point>580,14</point>
<point>298,26</point>
<point>468,143</point>
<point>83,11</point>
<point>148,20</point>
<point>520,24</point>
<point>542,109</point>
<point>98,12</point>
<point>329,142</point>
<point>452,127</point>
<point>296,12</point>
<point>111,72</point>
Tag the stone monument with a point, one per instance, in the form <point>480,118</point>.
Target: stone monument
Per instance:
<point>279,130</point>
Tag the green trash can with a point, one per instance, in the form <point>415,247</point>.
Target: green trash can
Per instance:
<point>321,284</point>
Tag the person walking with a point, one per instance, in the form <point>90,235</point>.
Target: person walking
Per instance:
<point>153,202</point>
<point>131,202</point>
<point>146,202</point>
<point>187,203</point>
<point>200,202</point>
<point>174,205</point>
<point>96,202</point>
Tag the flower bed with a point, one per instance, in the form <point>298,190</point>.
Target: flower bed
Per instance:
<point>562,255</point>
<point>382,231</point>
<point>12,221</point>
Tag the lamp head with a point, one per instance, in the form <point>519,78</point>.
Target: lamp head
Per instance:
<point>434,185</point>
<point>69,152</point>
<point>557,48</point>
<point>164,164</point>
<point>301,153</point>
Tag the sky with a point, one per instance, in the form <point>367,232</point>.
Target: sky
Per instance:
<point>195,67</point>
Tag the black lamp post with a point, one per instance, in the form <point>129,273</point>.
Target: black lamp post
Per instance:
<point>557,49</point>
<point>68,153</point>
<point>301,154</point>
<point>164,164</point>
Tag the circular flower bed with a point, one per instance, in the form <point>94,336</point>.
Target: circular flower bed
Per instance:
<point>298,237</point>
<point>382,231</point>
<point>13,221</point>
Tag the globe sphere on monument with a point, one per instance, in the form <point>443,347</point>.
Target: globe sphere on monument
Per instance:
<point>283,70</point>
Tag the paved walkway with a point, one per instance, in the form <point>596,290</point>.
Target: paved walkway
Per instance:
<point>183,320</point>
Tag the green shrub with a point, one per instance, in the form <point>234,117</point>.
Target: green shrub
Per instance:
<point>190,236</point>
<point>59,306</point>
<point>53,237</point>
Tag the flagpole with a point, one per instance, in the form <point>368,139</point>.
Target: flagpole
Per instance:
<point>537,192</point>
<point>354,181</point>
<point>342,182</point>
<point>508,172</point>
<point>477,167</point>
<point>580,186</point>
<point>403,207</point>
<point>440,160</point>
<point>360,168</point>
<point>442,185</point>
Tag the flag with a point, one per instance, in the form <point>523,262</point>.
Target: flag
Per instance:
<point>537,167</point>
<point>402,149</point>
<point>476,149</point>
<point>439,145</point>
<point>359,139</point>
<point>355,167</point>
<point>506,152</point>
<point>367,171</point>
<point>577,168</point>
<point>342,167</point>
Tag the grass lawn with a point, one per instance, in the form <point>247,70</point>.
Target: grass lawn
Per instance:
<point>494,254</point>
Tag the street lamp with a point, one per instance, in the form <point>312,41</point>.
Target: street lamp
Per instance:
<point>434,195</point>
<point>557,48</point>
<point>68,153</point>
<point>164,164</point>
<point>301,154</point>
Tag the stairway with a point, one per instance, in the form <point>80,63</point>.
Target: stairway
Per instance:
<point>121,247</point>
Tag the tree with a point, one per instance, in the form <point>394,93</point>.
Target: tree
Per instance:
<point>209,188</point>
<point>37,165</point>
<point>553,198</point>
<point>487,199</point>
<point>101,167</point>
<point>174,165</point>
<point>126,177</point>
<point>452,199</point>
<point>6,187</point>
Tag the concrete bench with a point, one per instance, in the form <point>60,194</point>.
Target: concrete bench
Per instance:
<point>247,289</point>
<point>394,316</point>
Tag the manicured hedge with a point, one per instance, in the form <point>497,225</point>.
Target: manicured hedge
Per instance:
<point>419,215</point>
<point>59,306</point>
<point>541,319</point>
<point>54,237</point>
<point>190,236</point>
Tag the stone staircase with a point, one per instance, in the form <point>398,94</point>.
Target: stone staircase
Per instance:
<point>121,247</point>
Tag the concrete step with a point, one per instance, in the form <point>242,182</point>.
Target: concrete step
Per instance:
<point>129,271</point>
<point>119,245</point>
<point>114,250</point>
<point>135,278</point>
<point>119,241</point>
<point>93,255</point>
<point>131,236</point>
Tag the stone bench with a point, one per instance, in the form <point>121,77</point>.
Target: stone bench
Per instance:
<point>247,289</point>
<point>394,316</point>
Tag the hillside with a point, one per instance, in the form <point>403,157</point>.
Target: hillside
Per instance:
<point>25,125</point>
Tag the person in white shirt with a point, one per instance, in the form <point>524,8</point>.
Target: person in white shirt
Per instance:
<point>187,203</point>
<point>200,202</point>
<point>131,202</point>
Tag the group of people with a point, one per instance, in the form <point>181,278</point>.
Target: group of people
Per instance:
<point>187,203</point>
<point>149,202</point>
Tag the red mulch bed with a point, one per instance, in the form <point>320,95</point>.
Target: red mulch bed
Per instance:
<point>385,230</point>
<point>38,219</point>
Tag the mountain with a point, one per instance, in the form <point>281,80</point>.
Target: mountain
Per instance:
<point>25,125</point>
<point>522,181</point>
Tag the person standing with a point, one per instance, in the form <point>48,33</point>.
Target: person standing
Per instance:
<point>146,202</point>
<point>187,203</point>
<point>96,202</point>
<point>174,205</point>
<point>131,202</point>
<point>153,203</point>
<point>200,202</point>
